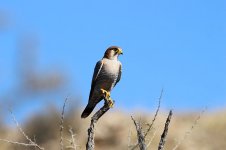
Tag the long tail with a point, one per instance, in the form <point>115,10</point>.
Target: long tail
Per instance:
<point>89,108</point>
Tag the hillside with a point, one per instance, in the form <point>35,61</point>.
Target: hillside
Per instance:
<point>116,131</point>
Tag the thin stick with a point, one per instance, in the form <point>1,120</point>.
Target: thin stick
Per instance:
<point>94,119</point>
<point>150,126</point>
<point>31,143</point>
<point>129,138</point>
<point>187,133</point>
<point>19,128</point>
<point>62,126</point>
<point>164,134</point>
<point>72,141</point>
<point>19,143</point>
<point>140,135</point>
<point>154,134</point>
<point>156,114</point>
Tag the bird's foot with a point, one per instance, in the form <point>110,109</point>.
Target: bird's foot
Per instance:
<point>110,102</point>
<point>107,98</point>
<point>105,93</point>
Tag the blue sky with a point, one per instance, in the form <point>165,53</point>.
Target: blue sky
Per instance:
<point>178,45</point>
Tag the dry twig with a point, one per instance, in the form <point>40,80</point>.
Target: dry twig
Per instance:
<point>72,140</point>
<point>164,134</point>
<point>129,138</point>
<point>30,144</point>
<point>140,135</point>
<point>62,126</point>
<point>22,144</point>
<point>94,119</point>
<point>187,133</point>
<point>156,114</point>
<point>153,136</point>
<point>150,126</point>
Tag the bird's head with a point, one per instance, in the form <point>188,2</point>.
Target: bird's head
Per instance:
<point>113,52</point>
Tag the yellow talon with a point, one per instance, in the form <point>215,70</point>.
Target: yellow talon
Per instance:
<point>106,93</point>
<point>110,102</point>
<point>107,97</point>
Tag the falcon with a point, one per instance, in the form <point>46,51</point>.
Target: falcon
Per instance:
<point>107,74</point>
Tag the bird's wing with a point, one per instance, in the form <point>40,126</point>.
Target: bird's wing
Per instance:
<point>97,70</point>
<point>119,74</point>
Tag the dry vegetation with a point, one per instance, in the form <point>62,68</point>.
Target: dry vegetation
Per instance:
<point>115,130</point>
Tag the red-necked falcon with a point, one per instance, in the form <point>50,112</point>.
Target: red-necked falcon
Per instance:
<point>107,74</point>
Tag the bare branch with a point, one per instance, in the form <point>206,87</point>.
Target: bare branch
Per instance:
<point>140,135</point>
<point>156,114</point>
<point>72,140</point>
<point>18,126</point>
<point>30,144</point>
<point>94,119</point>
<point>62,125</point>
<point>20,143</point>
<point>149,143</point>
<point>129,138</point>
<point>164,134</point>
<point>150,126</point>
<point>187,133</point>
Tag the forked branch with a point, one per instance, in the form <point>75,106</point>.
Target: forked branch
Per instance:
<point>30,143</point>
<point>140,135</point>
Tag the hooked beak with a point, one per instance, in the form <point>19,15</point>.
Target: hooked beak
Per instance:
<point>119,51</point>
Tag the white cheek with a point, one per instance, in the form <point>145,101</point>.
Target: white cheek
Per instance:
<point>111,53</point>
